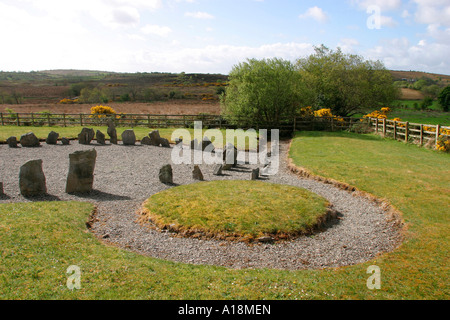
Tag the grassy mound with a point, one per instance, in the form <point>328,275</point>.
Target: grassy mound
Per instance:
<point>237,210</point>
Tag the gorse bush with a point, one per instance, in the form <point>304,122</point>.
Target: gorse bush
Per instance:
<point>101,111</point>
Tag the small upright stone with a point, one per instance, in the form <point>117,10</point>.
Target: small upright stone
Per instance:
<point>230,156</point>
<point>86,136</point>
<point>128,138</point>
<point>81,171</point>
<point>52,138</point>
<point>12,142</point>
<point>166,174</point>
<point>65,141</point>
<point>164,143</point>
<point>32,179</point>
<point>29,140</point>
<point>1,188</point>
<point>179,142</point>
<point>155,138</point>
<point>100,136</point>
<point>255,174</point>
<point>194,144</point>
<point>218,170</point>
<point>146,141</point>
<point>112,132</point>
<point>197,173</point>
<point>207,145</point>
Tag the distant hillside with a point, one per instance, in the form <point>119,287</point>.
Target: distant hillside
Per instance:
<point>417,75</point>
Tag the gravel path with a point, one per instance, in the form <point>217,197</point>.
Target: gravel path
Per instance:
<point>126,176</point>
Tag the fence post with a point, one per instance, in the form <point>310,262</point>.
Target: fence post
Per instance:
<point>148,120</point>
<point>48,119</point>
<point>438,131</point>
<point>295,124</point>
<point>32,119</point>
<point>18,120</point>
<point>406,131</point>
<point>81,119</point>
<point>376,125</point>
<point>384,127</point>
<point>64,119</point>
<point>421,135</point>
<point>1,115</point>
<point>395,130</point>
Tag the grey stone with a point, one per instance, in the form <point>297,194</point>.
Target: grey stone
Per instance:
<point>197,173</point>
<point>194,144</point>
<point>155,138</point>
<point>52,138</point>
<point>12,142</point>
<point>207,145</point>
<point>230,154</point>
<point>128,138</point>
<point>1,188</point>
<point>65,141</point>
<point>112,132</point>
<point>164,143</point>
<point>166,174</point>
<point>146,141</point>
<point>178,141</point>
<point>29,140</point>
<point>266,239</point>
<point>255,174</point>
<point>218,169</point>
<point>101,138</point>
<point>32,179</point>
<point>86,136</point>
<point>81,171</point>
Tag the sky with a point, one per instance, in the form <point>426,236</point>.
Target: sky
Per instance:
<point>211,36</point>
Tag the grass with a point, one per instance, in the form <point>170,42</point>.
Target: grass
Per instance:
<point>39,241</point>
<point>213,209</point>
<point>72,133</point>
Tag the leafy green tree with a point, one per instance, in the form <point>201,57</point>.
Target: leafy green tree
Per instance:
<point>444,99</point>
<point>263,91</point>
<point>345,83</point>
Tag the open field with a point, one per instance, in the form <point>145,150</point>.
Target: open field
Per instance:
<point>40,240</point>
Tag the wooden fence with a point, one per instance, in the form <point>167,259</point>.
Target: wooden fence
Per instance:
<point>409,132</point>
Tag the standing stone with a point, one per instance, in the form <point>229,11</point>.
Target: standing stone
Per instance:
<point>230,156</point>
<point>112,132</point>
<point>29,140</point>
<point>32,179</point>
<point>197,173</point>
<point>1,188</point>
<point>178,142</point>
<point>52,138</point>
<point>81,171</point>
<point>255,174</point>
<point>128,138</point>
<point>218,169</point>
<point>206,143</point>
<point>86,136</point>
<point>146,141</point>
<point>194,144</point>
<point>155,138</point>
<point>100,136</point>
<point>12,142</point>
<point>65,141</point>
<point>166,174</point>
<point>164,143</point>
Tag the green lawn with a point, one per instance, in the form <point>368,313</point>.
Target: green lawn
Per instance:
<point>39,241</point>
<point>212,209</point>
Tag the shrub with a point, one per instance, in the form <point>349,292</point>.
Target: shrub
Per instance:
<point>101,111</point>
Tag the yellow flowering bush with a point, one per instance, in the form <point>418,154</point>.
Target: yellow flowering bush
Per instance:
<point>101,111</point>
<point>68,101</point>
<point>326,113</point>
<point>443,144</point>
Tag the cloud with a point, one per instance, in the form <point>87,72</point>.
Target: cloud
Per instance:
<point>433,12</point>
<point>315,13</point>
<point>384,5</point>
<point>156,30</point>
<point>199,15</point>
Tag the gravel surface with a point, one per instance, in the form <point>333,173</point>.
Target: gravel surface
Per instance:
<point>126,176</point>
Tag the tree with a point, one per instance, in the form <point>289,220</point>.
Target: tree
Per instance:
<point>345,83</point>
<point>262,91</point>
<point>444,99</point>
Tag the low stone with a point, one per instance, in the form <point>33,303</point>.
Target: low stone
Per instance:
<point>146,141</point>
<point>29,140</point>
<point>155,138</point>
<point>32,179</point>
<point>112,132</point>
<point>52,138</point>
<point>255,174</point>
<point>164,143</point>
<point>1,188</point>
<point>128,138</point>
<point>65,141</point>
<point>230,154</point>
<point>81,171</point>
<point>218,170</point>
<point>266,239</point>
<point>86,135</point>
<point>12,142</point>
<point>178,141</point>
<point>166,174</point>
<point>197,173</point>
<point>101,138</point>
<point>194,144</point>
<point>207,145</point>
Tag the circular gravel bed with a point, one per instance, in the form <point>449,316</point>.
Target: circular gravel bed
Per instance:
<point>125,176</point>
